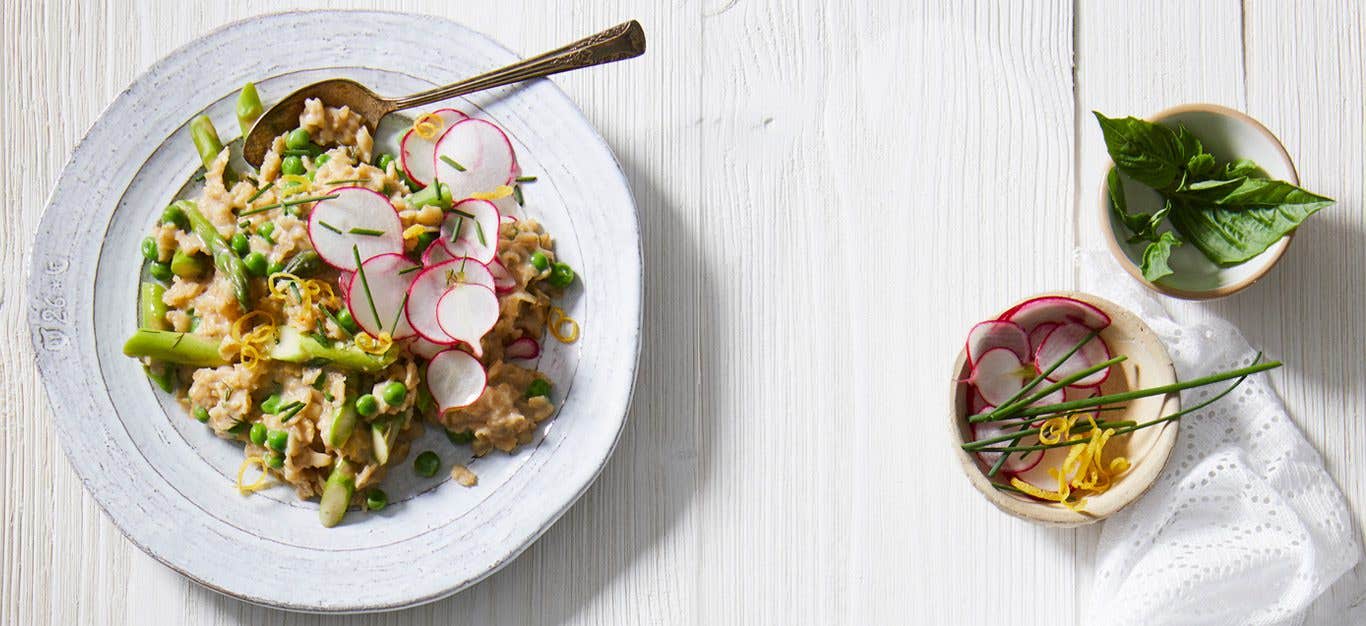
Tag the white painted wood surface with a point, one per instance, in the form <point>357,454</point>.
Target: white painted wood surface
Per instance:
<point>830,193</point>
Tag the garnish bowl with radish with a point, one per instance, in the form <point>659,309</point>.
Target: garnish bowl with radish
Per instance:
<point>1044,352</point>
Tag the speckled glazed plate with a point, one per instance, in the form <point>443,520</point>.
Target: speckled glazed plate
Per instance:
<point>168,483</point>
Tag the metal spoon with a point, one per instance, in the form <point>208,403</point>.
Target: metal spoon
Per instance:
<point>623,41</point>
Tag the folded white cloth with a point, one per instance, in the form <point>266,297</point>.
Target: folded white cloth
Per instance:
<point>1244,526</point>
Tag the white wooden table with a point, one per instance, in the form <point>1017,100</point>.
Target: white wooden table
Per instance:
<point>829,196</point>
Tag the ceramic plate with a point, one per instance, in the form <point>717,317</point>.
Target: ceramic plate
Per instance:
<point>167,482</point>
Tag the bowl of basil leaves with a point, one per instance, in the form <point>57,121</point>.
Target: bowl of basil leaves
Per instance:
<point>1201,200</point>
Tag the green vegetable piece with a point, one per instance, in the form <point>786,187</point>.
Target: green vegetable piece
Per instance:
<point>383,161</point>
<point>539,261</point>
<point>343,424</point>
<point>275,268</point>
<point>337,492</point>
<point>347,322</point>
<point>201,414</point>
<point>292,166</point>
<point>425,241</point>
<point>228,263</point>
<point>1149,153</point>
<point>160,375</point>
<point>277,440</point>
<point>376,499</point>
<point>275,460</point>
<point>427,464</point>
<point>429,196</point>
<point>271,404</point>
<point>303,264</point>
<point>239,428</point>
<point>173,347</point>
<point>149,250</point>
<point>298,139</point>
<point>322,158</point>
<point>425,403</point>
<point>240,244</point>
<point>258,434</point>
<point>173,214</point>
<point>189,265</point>
<point>538,387</point>
<point>561,275</point>
<point>394,393</point>
<point>151,308</point>
<point>256,263</point>
<point>462,438</point>
<point>367,405</point>
<point>249,108</point>
<point>293,346</point>
<point>160,271</point>
<point>1155,256</point>
<point>266,230</point>
<point>205,138</point>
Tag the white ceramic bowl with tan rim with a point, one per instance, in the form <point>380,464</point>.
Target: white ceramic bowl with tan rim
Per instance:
<point>1148,365</point>
<point>1228,135</point>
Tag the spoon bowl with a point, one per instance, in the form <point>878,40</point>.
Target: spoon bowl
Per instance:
<point>284,116</point>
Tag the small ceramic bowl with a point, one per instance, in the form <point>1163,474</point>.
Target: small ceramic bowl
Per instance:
<point>1147,449</point>
<point>1228,135</point>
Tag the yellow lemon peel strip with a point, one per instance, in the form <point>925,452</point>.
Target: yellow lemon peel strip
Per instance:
<point>559,321</point>
<point>260,479</point>
<point>497,193</point>
<point>416,230</point>
<point>428,125</point>
<point>374,345</point>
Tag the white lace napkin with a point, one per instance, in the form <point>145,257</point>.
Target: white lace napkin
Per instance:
<point>1244,526</point>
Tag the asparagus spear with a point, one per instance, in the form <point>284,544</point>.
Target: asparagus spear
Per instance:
<point>249,108</point>
<point>304,264</point>
<point>151,309</point>
<point>296,347</point>
<point>224,258</point>
<point>337,492</point>
<point>343,424</point>
<point>429,195</point>
<point>206,141</point>
<point>292,346</point>
<point>173,347</point>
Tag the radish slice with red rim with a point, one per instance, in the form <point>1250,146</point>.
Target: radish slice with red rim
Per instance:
<point>344,281</point>
<point>358,220</point>
<point>1060,341</point>
<point>417,346</point>
<point>475,237</point>
<point>522,348</point>
<point>416,154</point>
<point>379,293</point>
<point>483,153</point>
<point>1037,336</point>
<point>467,312</point>
<point>436,254</point>
<point>998,374</point>
<point>1018,462</point>
<point>503,280</point>
<point>455,379</point>
<point>424,294</point>
<point>1056,309</point>
<point>997,334</point>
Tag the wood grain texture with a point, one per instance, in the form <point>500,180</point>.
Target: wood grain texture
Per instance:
<point>829,193</point>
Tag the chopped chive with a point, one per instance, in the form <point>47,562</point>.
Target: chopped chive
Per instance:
<point>329,315</point>
<point>401,307</point>
<point>368,232</point>
<point>462,213</point>
<point>365,282</point>
<point>286,203</point>
<point>409,270</point>
<point>294,287</point>
<point>289,411</point>
<point>347,180</point>
<point>260,192</point>
<point>479,230</point>
<point>525,179</point>
<point>459,224</point>
<point>329,227</point>
<point>298,152</point>
<point>451,162</point>
<point>517,195</point>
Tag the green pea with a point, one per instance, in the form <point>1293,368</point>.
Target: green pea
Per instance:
<point>561,275</point>
<point>462,438</point>
<point>149,250</point>
<point>376,499</point>
<point>275,460</point>
<point>275,268</point>
<point>292,166</point>
<point>266,230</point>
<point>539,261</point>
<point>175,215</point>
<point>256,263</point>
<point>538,387</point>
<point>427,464</point>
<point>298,139</point>
<point>322,158</point>
<point>347,322</point>
<point>394,393</point>
<point>367,405</point>
<point>160,271</point>
<point>383,161</point>
<point>186,265</point>
<point>278,440</point>
<point>258,434</point>
<point>201,414</point>
<point>271,404</point>
<point>240,245</point>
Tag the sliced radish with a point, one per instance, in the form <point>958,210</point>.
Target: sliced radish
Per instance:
<point>423,348</point>
<point>1052,398</point>
<point>503,280</point>
<point>477,236</point>
<point>1060,341</point>
<point>435,254</point>
<point>384,281</point>
<point>1056,309</point>
<point>343,227</point>
<point>522,348</point>
<point>455,379</point>
<point>483,153</point>
<point>997,334</point>
<point>416,153</point>
<point>976,404</point>
<point>424,294</point>
<point>1037,335</point>
<point>505,217</point>
<point>467,312</point>
<point>344,281</point>
<point>1018,462</point>
<point>999,374</point>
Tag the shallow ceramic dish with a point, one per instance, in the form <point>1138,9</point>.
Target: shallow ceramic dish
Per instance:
<point>1148,364</point>
<point>1228,135</point>
<point>167,482</point>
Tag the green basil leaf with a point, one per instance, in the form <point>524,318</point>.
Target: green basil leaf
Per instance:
<point>1241,168</point>
<point>1149,153</point>
<point>1200,165</point>
<point>1155,256</point>
<point>1229,235</point>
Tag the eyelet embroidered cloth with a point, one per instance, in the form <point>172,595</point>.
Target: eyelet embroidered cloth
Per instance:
<point>1244,526</point>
